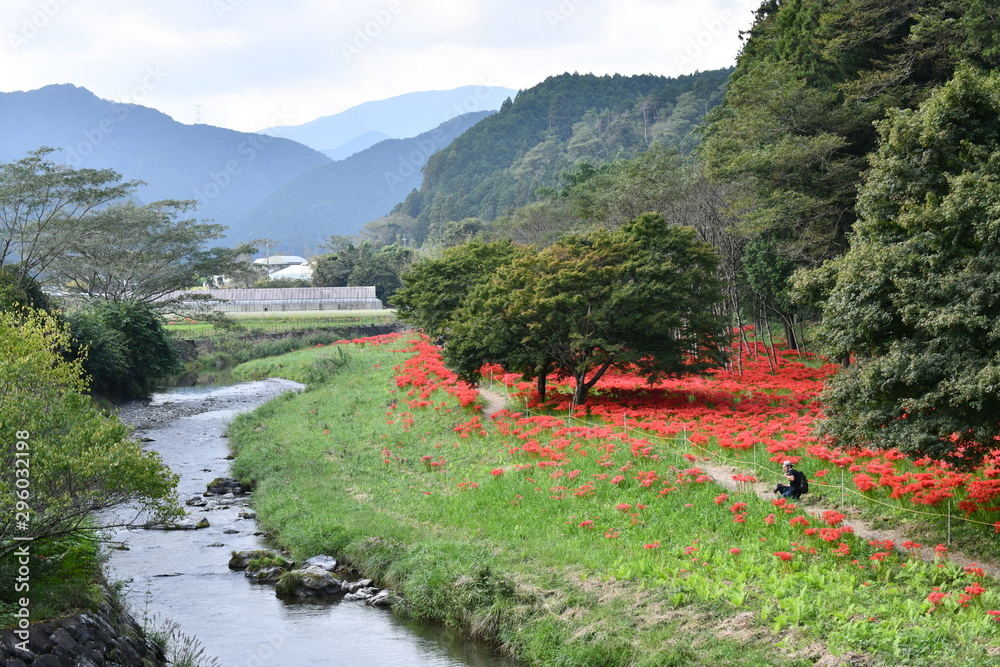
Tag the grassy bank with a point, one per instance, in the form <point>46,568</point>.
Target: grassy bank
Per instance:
<point>575,543</point>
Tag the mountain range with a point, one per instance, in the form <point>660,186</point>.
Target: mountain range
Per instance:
<point>241,178</point>
<point>340,135</point>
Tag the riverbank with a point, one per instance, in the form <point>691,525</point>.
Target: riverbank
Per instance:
<point>571,542</point>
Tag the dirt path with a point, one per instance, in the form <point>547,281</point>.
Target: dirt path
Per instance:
<point>811,504</point>
<point>495,402</point>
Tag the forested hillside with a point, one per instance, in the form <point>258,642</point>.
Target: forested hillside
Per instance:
<point>501,163</point>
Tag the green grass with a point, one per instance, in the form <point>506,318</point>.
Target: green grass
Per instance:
<point>543,562</point>
<point>64,577</point>
<point>277,322</point>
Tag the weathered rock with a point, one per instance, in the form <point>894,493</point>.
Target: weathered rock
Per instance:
<point>355,586</point>
<point>241,558</point>
<point>223,485</point>
<point>316,581</point>
<point>328,563</point>
<point>267,575</point>
<point>183,524</point>
<point>381,599</point>
<point>196,501</point>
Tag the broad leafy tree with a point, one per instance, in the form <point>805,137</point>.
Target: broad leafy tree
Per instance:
<point>916,300</point>
<point>45,207</point>
<point>84,469</point>
<point>643,296</point>
<point>435,289</point>
<point>142,253</point>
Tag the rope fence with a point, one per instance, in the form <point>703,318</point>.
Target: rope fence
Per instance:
<point>758,467</point>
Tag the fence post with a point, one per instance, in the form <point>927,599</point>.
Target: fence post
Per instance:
<point>949,522</point>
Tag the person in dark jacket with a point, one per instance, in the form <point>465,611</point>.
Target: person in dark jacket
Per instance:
<point>796,482</point>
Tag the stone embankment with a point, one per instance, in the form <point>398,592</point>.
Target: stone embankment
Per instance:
<point>106,637</point>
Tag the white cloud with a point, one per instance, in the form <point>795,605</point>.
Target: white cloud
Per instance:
<point>247,60</point>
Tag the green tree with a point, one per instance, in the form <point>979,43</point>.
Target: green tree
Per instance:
<point>45,207</point>
<point>18,291</point>
<point>434,290</point>
<point>132,350</point>
<point>642,296</point>
<point>916,299</point>
<point>82,466</point>
<point>143,253</point>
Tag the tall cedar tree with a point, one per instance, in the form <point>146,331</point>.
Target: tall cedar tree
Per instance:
<point>916,300</point>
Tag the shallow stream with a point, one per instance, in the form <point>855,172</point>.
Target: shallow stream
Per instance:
<point>183,575</point>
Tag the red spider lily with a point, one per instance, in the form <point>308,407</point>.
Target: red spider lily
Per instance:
<point>735,551</point>
<point>833,518</point>
<point>800,520</point>
<point>652,545</point>
<point>769,519</point>
<point>974,570</point>
<point>497,472</point>
<point>784,555</point>
<point>721,498</point>
<point>587,524</point>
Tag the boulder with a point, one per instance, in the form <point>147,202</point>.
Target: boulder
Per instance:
<point>240,559</point>
<point>381,599</point>
<point>328,563</point>
<point>223,485</point>
<point>314,580</point>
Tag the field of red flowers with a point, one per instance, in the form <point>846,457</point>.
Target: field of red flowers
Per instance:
<point>617,490</point>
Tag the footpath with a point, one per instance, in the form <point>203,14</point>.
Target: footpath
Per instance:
<point>811,503</point>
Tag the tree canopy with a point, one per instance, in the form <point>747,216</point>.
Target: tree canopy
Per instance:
<point>642,296</point>
<point>916,300</point>
<point>83,467</point>
<point>142,253</point>
<point>45,207</point>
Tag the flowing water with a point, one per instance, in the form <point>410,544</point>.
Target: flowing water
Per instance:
<point>183,575</point>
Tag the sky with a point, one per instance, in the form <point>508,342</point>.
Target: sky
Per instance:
<point>252,64</point>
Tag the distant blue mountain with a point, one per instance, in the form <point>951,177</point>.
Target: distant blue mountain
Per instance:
<point>356,145</point>
<point>398,117</point>
<point>340,197</point>
<point>228,172</point>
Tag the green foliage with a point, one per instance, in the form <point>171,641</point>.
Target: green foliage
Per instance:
<point>18,291</point>
<point>131,348</point>
<point>434,289</point>
<point>64,576</point>
<point>278,283</point>
<point>501,163</point>
<point>45,207</point>
<point>916,299</point>
<point>351,265</point>
<point>141,253</point>
<point>642,295</point>
<point>81,462</point>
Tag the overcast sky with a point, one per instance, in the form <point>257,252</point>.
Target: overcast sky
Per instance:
<point>252,64</point>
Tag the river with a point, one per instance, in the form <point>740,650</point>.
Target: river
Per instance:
<point>183,575</point>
